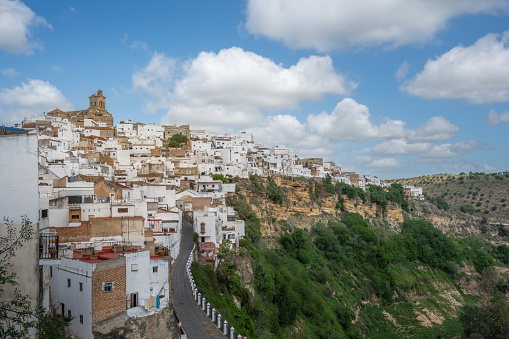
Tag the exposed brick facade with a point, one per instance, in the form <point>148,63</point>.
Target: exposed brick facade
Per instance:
<point>105,188</point>
<point>108,304</point>
<point>127,227</point>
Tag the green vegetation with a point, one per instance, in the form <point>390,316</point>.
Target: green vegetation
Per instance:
<point>473,188</point>
<point>221,177</point>
<point>310,282</point>
<point>17,316</point>
<point>272,192</point>
<point>440,202</point>
<point>491,321</point>
<point>350,191</point>
<point>177,140</point>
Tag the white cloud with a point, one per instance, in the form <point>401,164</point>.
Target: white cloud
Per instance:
<point>156,80</point>
<point>56,68</point>
<point>495,118</point>
<point>337,24</point>
<point>435,129</point>
<point>401,147</point>
<point>352,121</point>
<point>466,166</point>
<point>33,98</point>
<point>477,73</point>
<point>234,87</point>
<point>16,23</point>
<point>286,129</point>
<point>385,163</point>
<point>402,71</point>
<point>446,151</point>
<point>10,72</point>
<point>363,162</point>
<point>138,44</point>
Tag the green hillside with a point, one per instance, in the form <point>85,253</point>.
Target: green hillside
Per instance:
<point>478,194</point>
<point>345,276</point>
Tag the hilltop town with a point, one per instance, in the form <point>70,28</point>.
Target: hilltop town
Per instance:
<point>109,202</point>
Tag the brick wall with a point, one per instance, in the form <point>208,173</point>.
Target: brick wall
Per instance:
<point>108,304</point>
<point>68,234</point>
<point>102,227</point>
<point>104,188</point>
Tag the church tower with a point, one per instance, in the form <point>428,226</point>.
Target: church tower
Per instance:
<point>97,102</point>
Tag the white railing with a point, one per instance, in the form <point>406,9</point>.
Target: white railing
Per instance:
<point>216,318</point>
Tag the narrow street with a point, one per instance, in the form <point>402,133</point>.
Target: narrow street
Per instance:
<point>196,324</point>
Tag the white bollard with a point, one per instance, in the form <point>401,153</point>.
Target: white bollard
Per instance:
<point>219,320</point>
<point>232,333</point>
<point>208,310</point>
<point>225,328</point>
<point>239,337</point>
<point>213,315</point>
<point>203,303</point>
<point>199,298</point>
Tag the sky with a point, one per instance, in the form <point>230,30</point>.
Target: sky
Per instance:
<point>393,89</point>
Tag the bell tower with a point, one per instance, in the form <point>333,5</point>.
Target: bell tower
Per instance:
<point>97,101</point>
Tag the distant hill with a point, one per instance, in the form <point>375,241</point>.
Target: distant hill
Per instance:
<point>478,194</point>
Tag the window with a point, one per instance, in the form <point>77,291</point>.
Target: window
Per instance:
<point>68,282</point>
<point>202,226</point>
<point>81,319</point>
<point>134,267</point>
<point>81,287</point>
<point>69,314</point>
<point>51,271</point>
<point>123,210</point>
<point>154,269</point>
<point>108,287</point>
<point>75,217</point>
<point>44,213</point>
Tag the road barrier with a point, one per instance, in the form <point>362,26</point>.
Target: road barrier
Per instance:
<point>207,308</point>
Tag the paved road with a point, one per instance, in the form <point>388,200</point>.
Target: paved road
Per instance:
<point>196,324</point>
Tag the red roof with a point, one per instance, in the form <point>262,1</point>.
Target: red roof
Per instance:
<point>152,256</point>
<point>123,186</point>
<point>107,256</point>
<point>207,245</point>
<point>96,137</point>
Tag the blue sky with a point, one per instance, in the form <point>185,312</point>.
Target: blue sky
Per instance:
<point>394,89</point>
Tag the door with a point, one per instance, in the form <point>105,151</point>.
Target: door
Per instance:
<point>134,299</point>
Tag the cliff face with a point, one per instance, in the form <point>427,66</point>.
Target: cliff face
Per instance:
<point>306,198</point>
<point>307,202</point>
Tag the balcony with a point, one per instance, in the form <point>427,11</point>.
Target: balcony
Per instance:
<point>48,245</point>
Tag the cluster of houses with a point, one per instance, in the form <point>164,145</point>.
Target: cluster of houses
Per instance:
<point>112,201</point>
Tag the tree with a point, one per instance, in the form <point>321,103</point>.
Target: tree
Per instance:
<point>473,319</point>
<point>177,140</point>
<point>17,316</point>
<point>497,319</point>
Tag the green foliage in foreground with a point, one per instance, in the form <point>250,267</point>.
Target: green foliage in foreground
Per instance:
<point>17,316</point>
<point>310,284</point>
<point>491,321</point>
